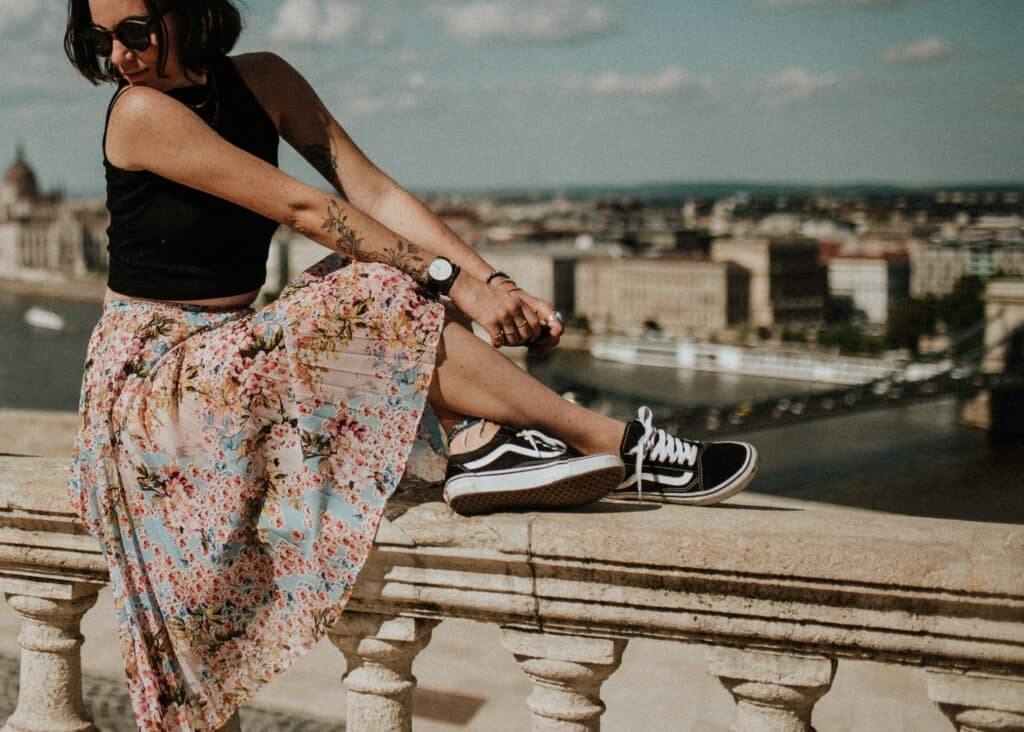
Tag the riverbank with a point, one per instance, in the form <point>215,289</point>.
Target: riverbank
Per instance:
<point>913,460</point>
<point>89,290</point>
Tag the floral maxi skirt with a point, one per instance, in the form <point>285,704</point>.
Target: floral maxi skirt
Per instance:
<point>234,465</point>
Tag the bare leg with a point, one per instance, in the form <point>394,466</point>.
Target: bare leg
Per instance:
<point>472,379</point>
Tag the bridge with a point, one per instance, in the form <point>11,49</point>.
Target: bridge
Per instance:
<point>997,366</point>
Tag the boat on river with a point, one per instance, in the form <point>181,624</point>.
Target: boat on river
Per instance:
<point>38,317</point>
<point>799,364</point>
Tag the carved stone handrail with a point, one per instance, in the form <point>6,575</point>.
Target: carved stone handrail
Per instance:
<point>895,588</point>
<point>779,593</point>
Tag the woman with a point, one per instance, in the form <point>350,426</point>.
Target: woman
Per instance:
<point>234,463</point>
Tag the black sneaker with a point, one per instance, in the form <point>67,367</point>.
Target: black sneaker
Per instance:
<point>673,470</point>
<point>527,469</point>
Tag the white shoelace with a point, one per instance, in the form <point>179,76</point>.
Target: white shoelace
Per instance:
<point>534,437</point>
<point>658,445</point>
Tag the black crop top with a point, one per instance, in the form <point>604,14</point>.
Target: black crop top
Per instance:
<point>171,242</point>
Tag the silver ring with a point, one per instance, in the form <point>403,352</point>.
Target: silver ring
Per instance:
<point>555,316</point>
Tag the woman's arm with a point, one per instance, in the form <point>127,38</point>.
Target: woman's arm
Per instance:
<point>149,130</point>
<point>308,126</point>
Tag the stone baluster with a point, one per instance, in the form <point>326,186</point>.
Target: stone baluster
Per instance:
<point>50,681</point>
<point>774,692</point>
<point>379,650</point>
<point>979,702</point>
<point>567,672</point>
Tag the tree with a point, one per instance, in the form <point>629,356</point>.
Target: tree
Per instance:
<point>850,339</point>
<point>909,320</point>
<point>839,309</point>
<point>794,335</point>
<point>963,309</point>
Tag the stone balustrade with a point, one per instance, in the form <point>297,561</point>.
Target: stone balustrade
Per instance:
<point>779,596</point>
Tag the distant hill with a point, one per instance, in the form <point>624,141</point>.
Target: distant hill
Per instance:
<point>720,189</point>
<point>680,191</point>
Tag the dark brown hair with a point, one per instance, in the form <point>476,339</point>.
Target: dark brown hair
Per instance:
<point>207,30</point>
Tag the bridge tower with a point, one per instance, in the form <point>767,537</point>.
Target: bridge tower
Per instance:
<point>1001,410</point>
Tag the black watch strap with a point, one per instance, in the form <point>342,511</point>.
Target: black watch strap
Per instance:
<point>445,287</point>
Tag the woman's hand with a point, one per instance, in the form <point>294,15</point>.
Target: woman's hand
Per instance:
<point>549,328</point>
<point>507,317</point>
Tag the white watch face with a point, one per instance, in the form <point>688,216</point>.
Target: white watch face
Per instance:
<point>440,269</point>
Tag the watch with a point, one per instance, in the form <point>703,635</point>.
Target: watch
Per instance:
<point>441,276</point>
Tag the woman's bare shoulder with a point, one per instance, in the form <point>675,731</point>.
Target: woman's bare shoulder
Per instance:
<point>138,105</point>
<point>137,114</point>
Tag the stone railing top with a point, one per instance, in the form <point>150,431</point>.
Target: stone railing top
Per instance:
<point>755,570</point>
<point>750,535</point>
<point>40,535</point>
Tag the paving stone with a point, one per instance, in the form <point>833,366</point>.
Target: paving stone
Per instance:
<point>107,701</point>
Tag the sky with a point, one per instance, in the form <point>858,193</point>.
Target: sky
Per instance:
<point>460,94</point>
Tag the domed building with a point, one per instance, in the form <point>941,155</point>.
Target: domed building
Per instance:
<point>43,236</point>
<point>19,181</point>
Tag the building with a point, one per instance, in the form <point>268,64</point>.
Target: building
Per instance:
<point>787,283</point>
<point>873,284</point>
<point>936,266</point>
<point>548,270</point>
<point>45,236</point>
<point>678,295</point>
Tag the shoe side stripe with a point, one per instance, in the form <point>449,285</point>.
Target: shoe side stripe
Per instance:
<point>658,479</point>
<point>491,457</point>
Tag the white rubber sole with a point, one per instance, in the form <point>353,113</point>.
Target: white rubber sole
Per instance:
<point>562,484</point>
<point>656,493</point>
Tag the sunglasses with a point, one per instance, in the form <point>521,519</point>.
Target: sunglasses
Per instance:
<point>133,32</point>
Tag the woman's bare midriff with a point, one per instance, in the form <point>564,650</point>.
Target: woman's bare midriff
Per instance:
<point>229,301</point>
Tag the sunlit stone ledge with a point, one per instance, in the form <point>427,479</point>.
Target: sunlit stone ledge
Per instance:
<point>894,588</point>
<point>779,592</point>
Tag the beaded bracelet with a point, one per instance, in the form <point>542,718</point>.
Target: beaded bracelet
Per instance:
<point>497,273</point>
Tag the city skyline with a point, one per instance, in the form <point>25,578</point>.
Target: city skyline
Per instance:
<point>450,95</point>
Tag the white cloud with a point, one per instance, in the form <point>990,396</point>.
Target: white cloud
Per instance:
<point>669,80</point>
<point>920,52</point>
<point>328,21</point>
<point>372,93</point>
<point>31,19</point>
<point>796,84</point>
<point>367,105</point>
<point>866,4</point>
<point>526,21</point>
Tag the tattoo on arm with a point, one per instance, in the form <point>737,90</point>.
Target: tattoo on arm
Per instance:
<point>322,158</point>
<point>405,255</point>
<point>347,241</point>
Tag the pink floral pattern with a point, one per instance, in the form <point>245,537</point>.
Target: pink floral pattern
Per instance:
<point>234,465</point>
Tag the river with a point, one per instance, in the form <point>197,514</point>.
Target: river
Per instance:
<point>912,459</point>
